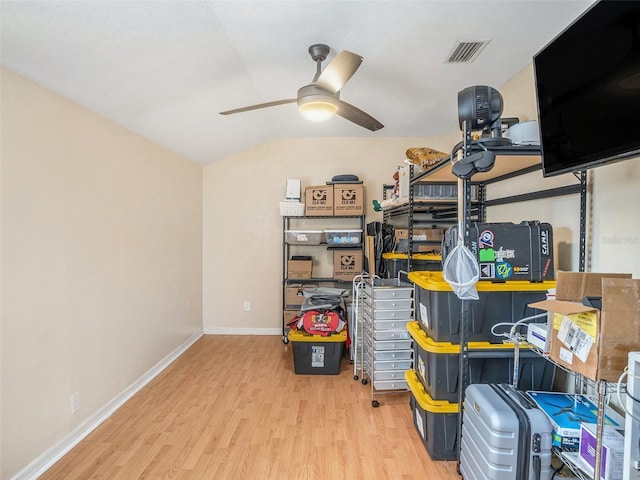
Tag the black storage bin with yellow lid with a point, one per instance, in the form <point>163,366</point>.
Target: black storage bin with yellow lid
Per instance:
<point>438,309</point>
<point>315,354</point>
<point>436,421</point>
<point>437,365</point>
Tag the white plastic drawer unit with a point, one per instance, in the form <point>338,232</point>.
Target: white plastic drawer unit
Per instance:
<point>382,365</point>
<point>397,375</point>
<point>392,345</point>
<point>390,384</point>
<point>393,355</point>
<point>390,304</point>
<point>391,315</point>
<point>391,334</point>
<point>388,288</point>
<point>391,324</point>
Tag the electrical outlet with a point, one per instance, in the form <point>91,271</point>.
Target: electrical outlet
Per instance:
<point>75,402</point>
<point>247,306</point>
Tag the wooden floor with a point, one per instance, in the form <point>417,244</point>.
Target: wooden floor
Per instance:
<point>231,407</point>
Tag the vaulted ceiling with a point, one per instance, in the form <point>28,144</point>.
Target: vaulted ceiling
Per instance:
<point>165,69</point>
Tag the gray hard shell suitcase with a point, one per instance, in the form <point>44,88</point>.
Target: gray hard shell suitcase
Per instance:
<point>504,436</point>
<point>508,251</point>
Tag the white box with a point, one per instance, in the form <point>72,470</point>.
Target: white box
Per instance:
<point>538,335</point>
<point>293,189</point>
<point>612,458</point>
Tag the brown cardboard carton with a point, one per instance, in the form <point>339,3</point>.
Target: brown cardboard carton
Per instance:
<point>588,341</point>
<point>420,234</point>
<point>348,199</point>
<point>299,268</point>
<point>347,264</point>
<point>319,200</point>
<point>293,294</point>
<point>289,314</point>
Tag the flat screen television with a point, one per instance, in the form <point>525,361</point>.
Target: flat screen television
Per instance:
<point>588,90</point>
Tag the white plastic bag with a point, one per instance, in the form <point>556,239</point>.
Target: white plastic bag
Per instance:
<point>460,270</point>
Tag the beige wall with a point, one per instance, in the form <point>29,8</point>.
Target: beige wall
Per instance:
<point>242,224</point>
<point>101,263</point>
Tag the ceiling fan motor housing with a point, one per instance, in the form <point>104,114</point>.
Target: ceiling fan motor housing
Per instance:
<point>313,93</point>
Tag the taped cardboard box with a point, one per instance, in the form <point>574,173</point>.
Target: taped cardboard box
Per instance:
<point>586,340</point>
<point>348,199</point>
<point>319,200</point>
<point>346,264</point>
<point>293,295</point>
<point>420,234</point>
<point>299,268</point>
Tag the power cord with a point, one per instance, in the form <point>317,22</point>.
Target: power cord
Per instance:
<point>513,325</point>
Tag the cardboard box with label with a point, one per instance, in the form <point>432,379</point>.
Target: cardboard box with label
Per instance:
<point>420,234</point>
<point>319,200</point>
<point>586,340</point>
<point>348,199</point>
<point>294,295</point>
<point>347,264</point>
<point>612,459</point>
<point>299,268</point>
<point>566,412</point>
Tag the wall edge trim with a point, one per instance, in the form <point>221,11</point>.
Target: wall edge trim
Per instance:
<point>57,451</point>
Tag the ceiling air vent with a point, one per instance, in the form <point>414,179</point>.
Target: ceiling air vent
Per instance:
<point>466,52</point>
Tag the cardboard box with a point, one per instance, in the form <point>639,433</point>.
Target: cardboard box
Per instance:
<point>347,264</point>
<point>420,234</point>
<point>319,200</point>
<point>612,459</point>
<point>294,294</point>
<point>588,341</point>
<point>348,199</point>
<point>289,314</point>
<point>299,268</point>
<point>566,411</point>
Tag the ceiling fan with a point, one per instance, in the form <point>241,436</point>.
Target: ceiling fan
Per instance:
<point>321,98</point>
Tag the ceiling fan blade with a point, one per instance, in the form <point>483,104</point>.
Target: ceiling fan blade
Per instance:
<point>260,105</point>
<point>357,116</point>
<point>339,71</point>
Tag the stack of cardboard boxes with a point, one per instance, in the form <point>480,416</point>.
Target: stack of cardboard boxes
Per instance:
<point>338,200</point>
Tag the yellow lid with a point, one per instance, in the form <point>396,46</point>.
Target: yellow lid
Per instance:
<point>433,280</point>
<point>416,256</point>
<point>430,345</point>
<point>300,336</point>
<point>424,399</point>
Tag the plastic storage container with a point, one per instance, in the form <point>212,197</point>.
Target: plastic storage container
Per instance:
<point>437,365</point>
<point>317,355</point>
<point>435,420</point>
<point>397,262</point>
<point>290,208</point>
<point>438,309</point>
<point>347,238</point>
<point>303,237</point>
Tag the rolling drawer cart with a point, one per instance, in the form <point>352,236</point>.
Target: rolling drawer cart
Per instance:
<point>387,351</point>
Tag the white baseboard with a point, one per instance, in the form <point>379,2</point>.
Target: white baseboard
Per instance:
<point>55,453</point>
<point>242,331</point>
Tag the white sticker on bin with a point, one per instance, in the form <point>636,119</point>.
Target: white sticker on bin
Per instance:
<point>423,315</point>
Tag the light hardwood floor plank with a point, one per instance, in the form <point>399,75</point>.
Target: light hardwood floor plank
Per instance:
<point>231,407</point>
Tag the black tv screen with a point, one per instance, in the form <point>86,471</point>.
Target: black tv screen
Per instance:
<point>588,90</point>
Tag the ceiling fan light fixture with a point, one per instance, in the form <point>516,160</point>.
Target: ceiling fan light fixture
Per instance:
<point>317,104</point>
<point>318,110</point>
